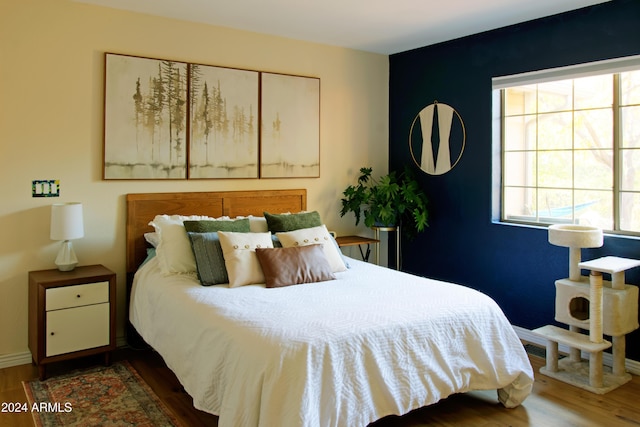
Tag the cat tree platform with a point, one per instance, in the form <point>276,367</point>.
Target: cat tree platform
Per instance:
<point>594,305</point>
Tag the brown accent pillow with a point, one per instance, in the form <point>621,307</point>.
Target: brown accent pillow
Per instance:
<point>294,265</point>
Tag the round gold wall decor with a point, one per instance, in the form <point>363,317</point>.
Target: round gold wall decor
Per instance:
<point>437,138</point>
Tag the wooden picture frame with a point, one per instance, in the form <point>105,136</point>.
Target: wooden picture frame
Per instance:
<point>224,127</point>
<point>290,126</point>
<point>145,118</point>
<point>166,119</point>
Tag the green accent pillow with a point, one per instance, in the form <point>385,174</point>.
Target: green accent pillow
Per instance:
<point>209,226</point>
<point>278,223</point>
<point>209,258</point>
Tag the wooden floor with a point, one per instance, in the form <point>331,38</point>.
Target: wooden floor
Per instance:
<point>552,403</point>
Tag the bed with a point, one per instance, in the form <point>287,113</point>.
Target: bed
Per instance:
<point>346,351</point>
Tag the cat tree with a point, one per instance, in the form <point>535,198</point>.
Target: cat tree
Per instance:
<point>592,304</point>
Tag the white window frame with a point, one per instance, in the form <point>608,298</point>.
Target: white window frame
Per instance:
<point>612,66</point>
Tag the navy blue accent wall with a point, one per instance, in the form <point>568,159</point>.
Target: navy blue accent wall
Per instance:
<point>515,265</point>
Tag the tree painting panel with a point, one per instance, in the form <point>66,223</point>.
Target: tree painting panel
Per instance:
<point>145,118</point>
<point>224,122</point>
<point>290,126</point>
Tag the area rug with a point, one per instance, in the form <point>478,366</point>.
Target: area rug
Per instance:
<point>113,395</point>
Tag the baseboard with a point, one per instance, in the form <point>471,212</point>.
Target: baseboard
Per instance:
<point>121,341</point>
<point>23,358</point>
<point>632,366</point>
<point>15,359</point>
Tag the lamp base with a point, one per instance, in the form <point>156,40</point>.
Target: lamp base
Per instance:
<point>66,259</point>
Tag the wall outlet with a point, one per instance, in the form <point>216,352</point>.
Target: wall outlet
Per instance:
<point>45,188</point>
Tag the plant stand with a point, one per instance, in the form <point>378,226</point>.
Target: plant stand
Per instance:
<point>396,229</point>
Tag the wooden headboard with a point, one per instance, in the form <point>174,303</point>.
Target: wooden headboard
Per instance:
<point>143,207</point>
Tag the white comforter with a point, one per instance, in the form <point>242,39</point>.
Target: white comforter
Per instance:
<point>346,352</point>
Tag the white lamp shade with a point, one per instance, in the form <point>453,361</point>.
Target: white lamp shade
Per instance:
<point>66,221</point>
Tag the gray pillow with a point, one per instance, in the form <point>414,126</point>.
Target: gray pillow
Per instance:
<point>209,258</point>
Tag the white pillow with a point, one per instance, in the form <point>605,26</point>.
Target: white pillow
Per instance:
<point>240,257</point>
<point>257,224</point>
<point>152,238</point>
<point>311,236</point>
<point>173,251</point>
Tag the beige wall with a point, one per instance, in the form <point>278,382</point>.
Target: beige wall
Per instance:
<point>51,82</point>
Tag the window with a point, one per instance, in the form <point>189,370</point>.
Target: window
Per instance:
<point>570,146</point>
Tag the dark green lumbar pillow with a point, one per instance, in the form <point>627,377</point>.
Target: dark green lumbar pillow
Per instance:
<point>209,226</point>
<point>278,223</point>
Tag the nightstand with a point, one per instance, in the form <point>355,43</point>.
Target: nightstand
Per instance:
<point>71,314</point>
<point>357,240</point>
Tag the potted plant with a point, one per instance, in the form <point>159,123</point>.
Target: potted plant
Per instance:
<point>388,201</point>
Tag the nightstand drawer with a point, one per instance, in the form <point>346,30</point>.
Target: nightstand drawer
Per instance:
<point>77,296</point>
<point>77,328</point>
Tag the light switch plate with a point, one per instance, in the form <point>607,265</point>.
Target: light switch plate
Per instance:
<point>45,188</point>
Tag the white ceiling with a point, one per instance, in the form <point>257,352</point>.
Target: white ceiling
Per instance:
<point>379,26</point>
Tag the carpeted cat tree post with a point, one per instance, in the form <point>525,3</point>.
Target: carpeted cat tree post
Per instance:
<point>592,304</point>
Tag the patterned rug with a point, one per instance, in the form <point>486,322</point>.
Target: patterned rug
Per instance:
<point>113,395</point>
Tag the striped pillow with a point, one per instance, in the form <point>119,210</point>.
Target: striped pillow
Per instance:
<point>209,258</point>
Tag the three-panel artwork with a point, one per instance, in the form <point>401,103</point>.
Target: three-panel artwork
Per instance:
<point>174,120</point>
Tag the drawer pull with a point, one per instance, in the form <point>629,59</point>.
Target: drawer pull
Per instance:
<point>53,333</point>
<point>78,296</point>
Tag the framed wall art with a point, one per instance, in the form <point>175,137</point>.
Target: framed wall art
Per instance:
<point>290,133</point>
<point>145,118</point>
<point>224,122</point>
<point>165,119</point>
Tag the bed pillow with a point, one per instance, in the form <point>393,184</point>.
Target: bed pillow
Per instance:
<point>312,236</point>
<point>151,253</point>
<point>174,249</point>
<point>210,263</point>
<point>294,265</point>
<point>152,239</point>
<point>258,224</point>
<point>290,222</point>
<point>208,226</point>
<point>239,249</point>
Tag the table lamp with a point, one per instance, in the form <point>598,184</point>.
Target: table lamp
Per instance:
<point>66,224</point>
